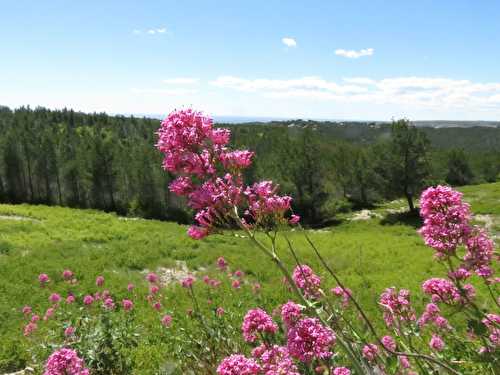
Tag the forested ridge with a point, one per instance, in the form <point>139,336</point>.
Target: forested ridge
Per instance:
<point>68,158</point>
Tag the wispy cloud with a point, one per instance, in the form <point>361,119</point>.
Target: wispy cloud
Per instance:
<point>160,30</point>
<point>353,54</point>
<point>181,81</point>
<point>277,86</point>
<point>423,92</point>
<point>289,42</point>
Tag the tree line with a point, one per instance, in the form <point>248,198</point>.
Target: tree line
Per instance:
<point>67,158</point>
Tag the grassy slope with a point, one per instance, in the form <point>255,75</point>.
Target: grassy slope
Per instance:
<point>368,255</point>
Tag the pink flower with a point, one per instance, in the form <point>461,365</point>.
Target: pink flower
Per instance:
<point>220,136</point>
<point>67,274</point>
<point>275,360</point>
<point>403,360</point>
<point>157,306</point>
<point>238,364</point>
<point>294,219</point>
<point>188,282</point>
<point>99,281</point>
<point>446,219</point>
<point>238,159</point>
<point>436,343</point>
<point>43,279</point>
<point>109,303</point>
<point>48,314</point>
<point>65,362</point>
<point>206,279</point>
<point>166,320</point>
<point>210,175</point>
<point>197,233</point>
<point>69,331</point>
<point>307,280</point>
<point>35,318</point>
<point>396,306</point>
<point>389,343</point>
<point>70,299</point>
<point>344,293</point>
<point>54,298</point>
<point>442,290</point>
<point>236,284</point>
<point>309,339</point>
<point>341,371</point>
<point>152,277</point>
<point>182,185</point>
<point>130,287</point>
<point>88,300</point>
<point>221,263</point>
<point>219,311</point>
<point>238,273</point>
<point>431,315</point>
<point>154,289</point>
<point>291,313</point>
<point>370,352</point>
<point>257,321</point>
<point>492,323</point>
<point>479,254</point>
<point>214,283</point>
<point>127,305</point>
<point>27,310</point>
<point>30,328</point>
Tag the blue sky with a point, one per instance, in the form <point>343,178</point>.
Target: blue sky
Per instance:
<point>310,59</point>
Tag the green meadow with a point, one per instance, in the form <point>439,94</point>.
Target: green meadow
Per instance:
<point>369,254</point>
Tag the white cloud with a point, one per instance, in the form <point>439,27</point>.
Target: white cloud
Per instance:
<point>359,80</point>
<point>421,92</point>
<point>181,81</point>
<point>306,84</point>
<point>153,31</point>
<point>352,54</point>
<point>289,42</point>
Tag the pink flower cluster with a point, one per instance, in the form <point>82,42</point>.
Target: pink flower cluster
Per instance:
<point>446,219</point>
<point>238,364</point>
<point>309,339</point>
<point>370,352</point>
<point>446,226</point>
<point>305,279</point>
<point>276,360</point>
<point>396,306</point>
<point>65,362</point>
<point>432,315</point>
<point>436,343</point>
<point>479,254</point>
<point>492,323</point>
<point>257,321</point>
<point>210,175</point>
<point>442,290</point>
<point>291,313</point>
<point>344,294</point>
<point>341,371</point>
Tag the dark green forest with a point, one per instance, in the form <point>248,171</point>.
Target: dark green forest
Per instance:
<point>67,158</point>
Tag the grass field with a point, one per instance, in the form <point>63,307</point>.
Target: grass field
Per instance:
<point>369,255</point>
